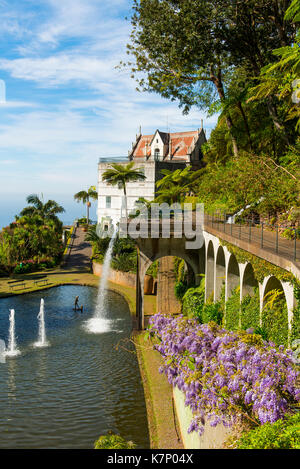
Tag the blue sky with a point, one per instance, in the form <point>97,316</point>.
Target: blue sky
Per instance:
<point>66,104</point>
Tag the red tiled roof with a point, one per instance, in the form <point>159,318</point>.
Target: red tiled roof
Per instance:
<point>180,143</point>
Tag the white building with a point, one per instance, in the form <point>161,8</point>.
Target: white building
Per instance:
<point>151,154</point>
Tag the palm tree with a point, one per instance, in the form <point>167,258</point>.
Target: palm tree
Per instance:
<point>120,175</point>
<point>84,197</point>
<point>47,211</point>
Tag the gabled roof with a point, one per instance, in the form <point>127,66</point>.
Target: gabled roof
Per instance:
<point>179,144</point>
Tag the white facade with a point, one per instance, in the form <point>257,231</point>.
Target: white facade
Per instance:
<point>151,154</point>
<point>110,197</point>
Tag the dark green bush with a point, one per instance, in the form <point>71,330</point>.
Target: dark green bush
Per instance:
<point>283,434</point>
<point>180,289</point>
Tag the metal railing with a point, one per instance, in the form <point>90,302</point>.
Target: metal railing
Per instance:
<point>114,159</point>
<point>265,235</point>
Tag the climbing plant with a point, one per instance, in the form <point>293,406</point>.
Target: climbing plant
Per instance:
<point>250,310</point>
<point>275,318</point>
<point>232,310</point>
<point>261,268</point>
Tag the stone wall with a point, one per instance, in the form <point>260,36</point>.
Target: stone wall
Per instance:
<point>166,278</point>
<point>121,278</point>
<point>212,438</point>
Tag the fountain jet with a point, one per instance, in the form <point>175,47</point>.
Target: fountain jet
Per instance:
<point>99,323</point>
<point>42,342</point>
<point>12,345</point>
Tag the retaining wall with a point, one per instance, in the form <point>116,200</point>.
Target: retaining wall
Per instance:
<point>212,438</point>
<point>126,279</point>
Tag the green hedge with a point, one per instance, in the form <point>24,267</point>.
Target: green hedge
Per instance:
<point>283,434</point>
<point>232,310</point>
<point>250,311</point>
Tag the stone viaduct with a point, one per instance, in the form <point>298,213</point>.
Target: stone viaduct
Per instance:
<point>219,265</point>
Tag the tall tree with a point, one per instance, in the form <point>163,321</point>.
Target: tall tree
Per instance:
<point>187,48</point>
<point>84,197</point>
<point>120,175</point>
<point>46,211</point>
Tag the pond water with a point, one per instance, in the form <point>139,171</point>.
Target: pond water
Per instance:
<point>67,394</point>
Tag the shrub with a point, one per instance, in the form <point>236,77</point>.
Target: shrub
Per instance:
<point>232,310</point>
<point>180,289</point>
<point>250,310</point>
<point>23,269</point>
<point>125,262</point>
<point>283,434</point>
<point>275,318</point>
<point>225,375</point>
<point>193,302</point>
<point>213,312</point>
<point>111,441</point>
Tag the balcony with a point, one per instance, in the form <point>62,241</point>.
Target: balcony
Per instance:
<point>114,159</point>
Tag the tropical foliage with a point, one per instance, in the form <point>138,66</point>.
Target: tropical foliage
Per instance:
<point>34,240</point>
<point>197,53</point>
<point>283,434</point>
<point>85,197</point>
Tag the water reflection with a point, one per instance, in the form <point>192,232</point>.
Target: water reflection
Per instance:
<point>68,394</point>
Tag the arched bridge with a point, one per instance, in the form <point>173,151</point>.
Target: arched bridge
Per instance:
<point>220,266</point>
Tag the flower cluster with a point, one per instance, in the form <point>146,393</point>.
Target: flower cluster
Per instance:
<point>225,375</point>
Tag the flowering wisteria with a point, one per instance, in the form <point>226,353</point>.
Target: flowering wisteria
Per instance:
<point>225,375</point>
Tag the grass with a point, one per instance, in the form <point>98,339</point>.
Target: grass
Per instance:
<point>60,276</point>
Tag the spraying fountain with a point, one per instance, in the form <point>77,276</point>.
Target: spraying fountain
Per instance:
<point>12,345</point>
<point>42,342</point>
<point>100,323</point>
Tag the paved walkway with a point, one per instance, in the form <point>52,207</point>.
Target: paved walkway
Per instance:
<point>80,254</point>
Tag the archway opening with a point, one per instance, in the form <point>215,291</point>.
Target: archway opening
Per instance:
<point>232,295</point>
<point>210,272</point>
<point>220,273</point>
<point>250,306</point>
<point>275,313</point>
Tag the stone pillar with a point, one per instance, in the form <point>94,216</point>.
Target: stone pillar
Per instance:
<point>167,302</point>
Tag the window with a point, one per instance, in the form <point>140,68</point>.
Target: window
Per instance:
<point>108,201</point>
<point>142,170</point>
<point>156,154</point>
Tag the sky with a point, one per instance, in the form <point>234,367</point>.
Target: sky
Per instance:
<point>65,104</point>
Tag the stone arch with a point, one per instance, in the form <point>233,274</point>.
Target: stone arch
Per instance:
<point>209,270</point>
<point>232,276</point>
<point>272,283</point>
<point>152,249</point>
<point>248,281</point>
<point>220,273</point>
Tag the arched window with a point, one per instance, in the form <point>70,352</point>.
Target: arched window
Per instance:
<point>156,154</point>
